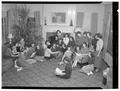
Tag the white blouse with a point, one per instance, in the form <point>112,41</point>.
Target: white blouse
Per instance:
<point>66,41</point>
<point>99,45</point>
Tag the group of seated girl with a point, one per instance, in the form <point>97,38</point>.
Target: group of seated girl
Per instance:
<point>23,56</point>
<point>84,51</point>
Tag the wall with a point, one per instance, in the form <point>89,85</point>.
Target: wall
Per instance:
<point>88,9</point>
<point>70,10</point>
<point>36,7</point>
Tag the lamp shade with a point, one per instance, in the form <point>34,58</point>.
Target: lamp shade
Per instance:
<point>10,36</point>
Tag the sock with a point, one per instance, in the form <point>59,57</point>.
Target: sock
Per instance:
<point>104,81</point>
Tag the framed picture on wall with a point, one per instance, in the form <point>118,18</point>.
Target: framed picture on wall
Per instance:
<point>59,17</point>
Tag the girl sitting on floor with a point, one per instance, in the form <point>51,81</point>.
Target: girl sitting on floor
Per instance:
<point>79,55</point>
<point>24,62</point>
<point>68,53</point>
<point>65,74</point>
<point>39,52</point>
<point>64,48</point>
<point>85,50</point>
<point>60,43</point>
<point>78,38</point>
<point>56,40</point>
<point>48,53</point>
<point>54,48</point>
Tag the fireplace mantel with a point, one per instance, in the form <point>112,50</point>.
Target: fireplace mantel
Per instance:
<point>54,28</point>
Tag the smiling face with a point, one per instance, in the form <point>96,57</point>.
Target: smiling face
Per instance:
<point>77,48</point>
<point>38,47</point>
<point>71,39</point>
<point>56,37</point>
<point>33,45</point>
<point>79,34</point>
<point>47,43</point>
<point>60,41</point>
<point>84,45</point>
<point>88,35</point>
<point>68,48</point>
<point>59,33</point>
<point>54,45</point>
<point>84,35</point>
<point>96,37</point>
<point>66,35</point>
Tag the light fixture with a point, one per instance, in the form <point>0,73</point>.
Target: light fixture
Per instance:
<point>10,36</point>
<point>73,12</point>
<point>69,12</point>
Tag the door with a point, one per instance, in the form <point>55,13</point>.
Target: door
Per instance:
<point>94,23</point>
<point>79,20</point>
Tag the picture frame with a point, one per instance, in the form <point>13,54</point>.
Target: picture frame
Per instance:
<point>58,17</point>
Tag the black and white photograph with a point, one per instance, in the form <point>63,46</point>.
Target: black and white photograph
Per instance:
<point>57,45</point>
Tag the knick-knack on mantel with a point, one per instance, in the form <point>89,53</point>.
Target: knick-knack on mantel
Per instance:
<point>45,21</point>
<point>71,23</point>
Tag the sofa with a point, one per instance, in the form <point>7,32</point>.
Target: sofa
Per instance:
<point>7,62</point>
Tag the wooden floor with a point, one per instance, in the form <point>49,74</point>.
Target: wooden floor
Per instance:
<point>41,74</point>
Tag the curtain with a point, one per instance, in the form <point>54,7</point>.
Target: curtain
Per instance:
<point>80,18</point>
<point>94,23</point>
<point>37,21</point>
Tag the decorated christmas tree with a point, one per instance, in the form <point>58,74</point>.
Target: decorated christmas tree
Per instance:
<point>25,27</point>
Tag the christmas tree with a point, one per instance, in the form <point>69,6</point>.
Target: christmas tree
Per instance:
<point>25,27</point>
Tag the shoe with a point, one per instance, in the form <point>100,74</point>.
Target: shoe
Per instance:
<point>19,69</point>
<point>90,73</point>
<point>97,70</point>
<point>61,63</point>
<point>41,60</point>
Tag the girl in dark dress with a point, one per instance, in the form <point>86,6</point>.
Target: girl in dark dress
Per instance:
<point>60,43</point>
<point>78,38</point>
<point>85,39</point>
<point>98,52</point>
<point>71,42</point>
<point>59,34</point>
<point>56,40</point>
<point>65,74</point>
<point>89,39</point>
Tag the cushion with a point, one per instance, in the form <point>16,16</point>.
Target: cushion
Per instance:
<point>6,64</point>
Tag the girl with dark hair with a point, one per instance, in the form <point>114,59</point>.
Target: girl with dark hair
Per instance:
<point>64,48</point>
<point>85,39</point>
<point>60,43</point>
<point>56,40</point>
<point>98,52</point>
<point>78,38</point>
<point>59,34</point>
<point>79,55</point>
<point>85,50</point>
<point>48,53</point>
<point>89,39</point>
<point>71,42</point>
<point>66,73</point>
<point>68,53</point>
